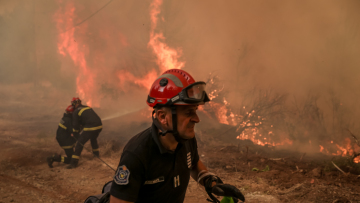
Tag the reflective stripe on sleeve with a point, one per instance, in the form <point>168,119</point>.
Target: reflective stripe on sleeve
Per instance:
<point>67,147</point>
<point>95,150</point>
<point>62,159</point>
<point>82,110</point>
<point>75,131</point>
<point>93,128</point>
<point>75,157</point>
<point>62,126</point>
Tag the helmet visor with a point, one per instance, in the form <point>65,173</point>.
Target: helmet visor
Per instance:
<point>192,94</point>
<point>196,91</point>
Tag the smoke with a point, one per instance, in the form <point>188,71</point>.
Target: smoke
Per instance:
<point>298,48</point>
<point>291,46</point>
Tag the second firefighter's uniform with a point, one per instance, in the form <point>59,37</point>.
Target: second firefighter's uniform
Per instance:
<point>86,120</point>
<point>64,138</point>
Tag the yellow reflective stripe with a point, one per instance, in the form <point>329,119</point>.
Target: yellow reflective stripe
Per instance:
<point>82,110</point>
<point>62,159</point>
<point>75,157</point>
<point>75,130</point>
<point>94,128</point>
<point>67,147</point>
<point>95,150</point>
<point>61,125</point>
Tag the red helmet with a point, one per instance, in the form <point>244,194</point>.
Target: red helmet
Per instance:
<point>69,109</point>
<point>75,100</point>
<point>176,87</point>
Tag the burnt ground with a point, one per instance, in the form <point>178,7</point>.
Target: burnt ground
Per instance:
<point>25,176</point>
<point>263,174</point>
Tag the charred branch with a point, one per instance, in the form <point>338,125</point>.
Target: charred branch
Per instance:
<point>355,138</point>
<point>338,168</point>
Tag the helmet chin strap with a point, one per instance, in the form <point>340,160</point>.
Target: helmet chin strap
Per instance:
<point>174,131</point>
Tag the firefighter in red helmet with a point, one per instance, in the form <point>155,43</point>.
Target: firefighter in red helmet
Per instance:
<point>156,164</point>
<point>64,138</point>
<point>75,101</point>
<point>86,122</point>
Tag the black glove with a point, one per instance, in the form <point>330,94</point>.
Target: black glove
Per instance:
<point>221,189</point>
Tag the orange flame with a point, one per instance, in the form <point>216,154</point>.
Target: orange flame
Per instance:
<point>344,151</point>
<point>224,115</point>
<point>245,135</point>
<point>145,82</point>
<point>347,150</point>
<point>69,45</point>
<point>167,58</point>
<point>220,113</point>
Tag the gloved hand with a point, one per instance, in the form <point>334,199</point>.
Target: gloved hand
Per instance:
<point>229,191</point>
<point>221,189</point>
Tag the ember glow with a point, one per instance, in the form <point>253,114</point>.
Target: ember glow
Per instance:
<point>248,124</point>
<point>263,140</point>
<point>345,149</point>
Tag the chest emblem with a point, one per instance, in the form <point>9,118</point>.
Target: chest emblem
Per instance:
<point>189,159</point>
<point>122,175</point>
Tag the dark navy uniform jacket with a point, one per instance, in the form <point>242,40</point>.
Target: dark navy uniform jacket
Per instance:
<point>86,118</point>
<point>64,131</point>
<point>147,172</point>
<point>65,126</point>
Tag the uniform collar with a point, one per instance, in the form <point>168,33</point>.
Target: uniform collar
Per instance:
<point>81,106</point>
<point>155,136</point>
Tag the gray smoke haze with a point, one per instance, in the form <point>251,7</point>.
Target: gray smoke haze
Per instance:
<point>290,47</point>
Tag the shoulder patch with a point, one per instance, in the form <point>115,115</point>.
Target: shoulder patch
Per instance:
<point>122,175</point>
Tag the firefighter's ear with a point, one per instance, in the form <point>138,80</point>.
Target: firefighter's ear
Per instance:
<point>161,115</point>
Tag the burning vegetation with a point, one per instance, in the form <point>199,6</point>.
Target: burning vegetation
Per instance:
<point>255,133</point>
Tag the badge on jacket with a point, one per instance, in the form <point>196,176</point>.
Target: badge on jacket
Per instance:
<point>122,175</point>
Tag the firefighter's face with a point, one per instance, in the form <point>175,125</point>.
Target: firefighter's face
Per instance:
<point>186,119</point>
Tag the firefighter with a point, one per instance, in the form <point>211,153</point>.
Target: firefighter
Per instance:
<point>64,137</point>
<point>86,120</point>
<point>156,164</point>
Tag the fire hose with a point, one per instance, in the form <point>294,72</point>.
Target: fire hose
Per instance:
<point>95,156</point>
